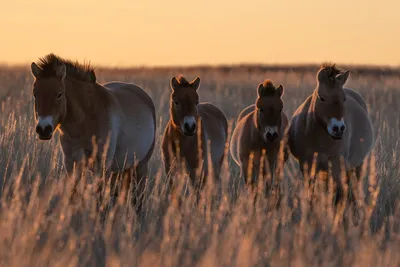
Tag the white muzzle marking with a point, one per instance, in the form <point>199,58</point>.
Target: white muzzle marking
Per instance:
<point>336,127</point>
<point>189,121</point>
<point>45,121</point>
<point>271,129</point>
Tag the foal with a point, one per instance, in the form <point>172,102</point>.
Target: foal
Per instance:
<point>120,116</point>
<point>191,126</point>
<point>334,123</point>
<point>260,127</point>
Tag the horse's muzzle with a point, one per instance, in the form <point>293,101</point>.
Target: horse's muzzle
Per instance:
<point>44,133</point>
<point>336,128</point>
<point>189,129</point>
<point>271,136</point>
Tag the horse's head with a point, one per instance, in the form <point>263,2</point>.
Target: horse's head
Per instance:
<point>183,106</point>
<point>269,105</point>
<point>50,101</point>
<point>329,100</point>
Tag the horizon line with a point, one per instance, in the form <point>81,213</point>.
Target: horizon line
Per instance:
<point>217,65</point>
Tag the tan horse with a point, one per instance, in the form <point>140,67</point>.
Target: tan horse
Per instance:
<point>68,99</point>
<point>192,123</point>
<point>260,126</point>
<point>334,123</point>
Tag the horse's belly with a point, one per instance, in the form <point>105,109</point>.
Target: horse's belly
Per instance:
<point>135,143</point>
<point>361,140</point>
<point>217,144</point>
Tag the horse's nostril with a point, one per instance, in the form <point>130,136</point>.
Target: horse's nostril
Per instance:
<point>190,128</point>
<point>335,129</point>
<point>343,128</point>
<point>271,137</point>
<point>47,130</point>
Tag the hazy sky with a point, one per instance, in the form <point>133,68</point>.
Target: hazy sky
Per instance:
<point>164,32</point>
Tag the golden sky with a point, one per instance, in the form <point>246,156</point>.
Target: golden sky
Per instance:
<point>178,32</point>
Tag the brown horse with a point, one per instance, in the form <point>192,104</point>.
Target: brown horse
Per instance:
<point>120,115</point>
<point>334,123</point>
<point>192,125</point>
<point>260,127</point>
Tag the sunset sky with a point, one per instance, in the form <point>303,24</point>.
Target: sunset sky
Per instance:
<point>177,32</point>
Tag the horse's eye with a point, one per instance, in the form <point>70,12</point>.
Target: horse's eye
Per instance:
<point>34,95</point>
<point>197,103</point>
<point>261,109</point>
<point>59,95</point>
<point>176,102</point>
<point>321,98</point>
<point>345,98</point>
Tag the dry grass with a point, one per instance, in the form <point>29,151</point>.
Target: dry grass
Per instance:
<point>39,226</point>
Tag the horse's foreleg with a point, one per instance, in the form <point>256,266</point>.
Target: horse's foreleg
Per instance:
<point>140,182</point>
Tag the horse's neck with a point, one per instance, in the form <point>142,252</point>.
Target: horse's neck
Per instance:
<point>312,123</point>
<point>77,108</point>
<point>310,119</point>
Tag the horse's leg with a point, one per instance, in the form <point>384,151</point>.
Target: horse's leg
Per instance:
<point>354,177</point>
<point>141,173</point>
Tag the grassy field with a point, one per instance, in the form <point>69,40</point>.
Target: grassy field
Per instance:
<point>40,227</point>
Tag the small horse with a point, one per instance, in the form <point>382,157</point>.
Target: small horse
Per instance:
<point>334,123</point>
<point>68,99</point>
<point>191,126</point>
<point>260,127</point>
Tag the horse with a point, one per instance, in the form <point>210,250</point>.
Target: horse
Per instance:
<point>332,126</point>
<point>260,129</point>
<point>191,126</point>
<point>120,116</point>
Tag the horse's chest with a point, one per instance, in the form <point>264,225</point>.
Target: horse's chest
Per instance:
<point>77,149</point>
<point>189,151</point>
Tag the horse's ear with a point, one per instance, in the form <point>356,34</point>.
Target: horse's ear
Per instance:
<point>195,83</point>
<point>35,70</point>
<point>61,71</point>
<point>174,83</point>
<point>260,88</point>
<point>342,77</point>
<point>280,90</point>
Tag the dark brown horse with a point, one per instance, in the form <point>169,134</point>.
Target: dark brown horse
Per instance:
<point>120,116</point>
<point>333,123</point>
<point>260,127</point>
<point>192,124</point>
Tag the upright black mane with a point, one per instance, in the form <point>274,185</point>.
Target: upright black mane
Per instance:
<point>329,72</point>
<point>82,72</point>
<point>183,81</point>
<point>267,88</point>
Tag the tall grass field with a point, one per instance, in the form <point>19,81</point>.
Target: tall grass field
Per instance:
<point>41,226</point>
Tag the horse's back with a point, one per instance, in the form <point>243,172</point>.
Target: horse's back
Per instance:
<point>138,126</point>
<point>246,112</point>
<point>357,97</point>
<point>215,124</point>
<point>243,127</point>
